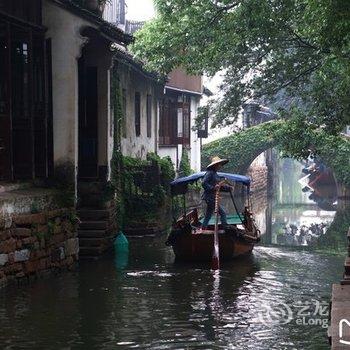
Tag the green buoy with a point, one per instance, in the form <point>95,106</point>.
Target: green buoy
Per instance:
<point>121,248</point>
<point>121,243</point>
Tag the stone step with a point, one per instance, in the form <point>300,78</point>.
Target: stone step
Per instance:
<point>93,233</point>
<point>347,266</point>
<point>91,251</point>
<point>91,187</point>
<point>95,242</point>
<point>94,214</point>
<point>93,225</point>
<point>91,200</point>
<point>95,201</point>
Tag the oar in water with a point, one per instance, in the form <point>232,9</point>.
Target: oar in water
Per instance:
<point>216,253</point>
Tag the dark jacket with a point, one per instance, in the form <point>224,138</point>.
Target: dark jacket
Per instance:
<point>211,178</point>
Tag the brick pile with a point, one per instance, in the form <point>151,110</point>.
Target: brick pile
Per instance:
<point>32,245</point>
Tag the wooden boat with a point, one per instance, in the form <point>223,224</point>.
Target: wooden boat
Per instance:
<point>192,243</point>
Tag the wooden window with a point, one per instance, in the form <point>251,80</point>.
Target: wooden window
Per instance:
<point>23,97</point>
<point>21,103</point>
<point>186,123</point>
<point>168,119</point>
<point>137,114</point>
<point>149,116</point>
<point>5,117</point>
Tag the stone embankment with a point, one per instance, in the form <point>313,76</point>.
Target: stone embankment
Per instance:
<point>35,244</point>
<point>339,329</point>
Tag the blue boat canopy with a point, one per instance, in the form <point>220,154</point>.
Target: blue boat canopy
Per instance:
<point>179,185</point>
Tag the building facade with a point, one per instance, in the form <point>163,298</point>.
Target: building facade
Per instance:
<point>140,94</point>
<point>177,115</point>
<point>175,109</point>
<point>56,128</point>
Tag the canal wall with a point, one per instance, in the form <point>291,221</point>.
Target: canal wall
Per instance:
<point>339,330</point>
<point>36,237</point>
<point>259,176</point>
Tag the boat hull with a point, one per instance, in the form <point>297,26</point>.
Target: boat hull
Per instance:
<point>199,247</point>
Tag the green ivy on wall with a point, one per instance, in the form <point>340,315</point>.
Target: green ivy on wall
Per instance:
<point>138,199</point>
<point>185,166</point>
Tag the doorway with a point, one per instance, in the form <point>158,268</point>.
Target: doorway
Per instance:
<point>88,121</point>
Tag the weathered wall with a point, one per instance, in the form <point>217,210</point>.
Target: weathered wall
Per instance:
<point>174,152</point>
<point>66,43</point>
<point>132,81</point>
<point>32,245</point>
<point>180,80</point>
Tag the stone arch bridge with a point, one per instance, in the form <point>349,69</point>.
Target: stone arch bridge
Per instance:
<point>243,147</point>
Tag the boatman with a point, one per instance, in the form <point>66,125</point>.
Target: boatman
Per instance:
<point>211,183</point>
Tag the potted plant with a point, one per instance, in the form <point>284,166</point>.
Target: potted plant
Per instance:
<point>97,6</point>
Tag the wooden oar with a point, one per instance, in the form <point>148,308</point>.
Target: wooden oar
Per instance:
<point>216,251</point>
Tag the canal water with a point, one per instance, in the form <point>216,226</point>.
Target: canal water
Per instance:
<point>275,299</point>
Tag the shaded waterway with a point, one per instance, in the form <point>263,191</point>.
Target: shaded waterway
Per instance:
<point>275,299</point>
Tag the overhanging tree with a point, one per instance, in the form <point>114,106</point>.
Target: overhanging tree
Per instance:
<point>294,53</point>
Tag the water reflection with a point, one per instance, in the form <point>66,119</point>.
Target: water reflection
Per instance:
<point>144,300</point>
<point>289,215</point>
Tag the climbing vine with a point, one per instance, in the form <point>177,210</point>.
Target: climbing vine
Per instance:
<point>117,158</point>
<point>185,166</point>
<point>146,190</point>
<point>140,186</point>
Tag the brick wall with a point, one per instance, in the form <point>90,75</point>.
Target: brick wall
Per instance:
<point>32,245</point>
<point>259,176</point>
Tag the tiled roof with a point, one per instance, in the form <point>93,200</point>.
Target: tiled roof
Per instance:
<point>108,29</point>
<point>127,58</point>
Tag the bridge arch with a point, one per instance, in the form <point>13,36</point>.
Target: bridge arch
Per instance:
<point>243,147</point>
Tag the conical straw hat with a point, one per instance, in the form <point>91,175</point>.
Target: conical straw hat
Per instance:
<point>216,160</point>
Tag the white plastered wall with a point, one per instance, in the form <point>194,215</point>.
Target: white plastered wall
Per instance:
<point>66,44</point>
<point>195,153</point>
<point>132,82</point>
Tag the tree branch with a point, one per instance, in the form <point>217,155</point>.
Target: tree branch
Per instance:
<point>221,9</point>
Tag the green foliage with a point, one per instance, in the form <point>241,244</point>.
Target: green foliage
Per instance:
<point>335,239</point>
<point>282,52</point>
<point>167,169</point>
<point>294,138</point>
<point>73,217</point>
<point>185,166</point>
<point>34,207</point>
<point>242,148</point>
<point>117,158</point>
<point>64,183</point>
<point>145,200</point>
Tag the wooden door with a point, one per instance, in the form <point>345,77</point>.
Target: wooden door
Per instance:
<point>39,107</point>
<point>5,119</point>
<point>21,103</point>
<point>88,125</point>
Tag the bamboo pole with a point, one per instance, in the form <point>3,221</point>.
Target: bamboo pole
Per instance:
<point>216,250</point>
